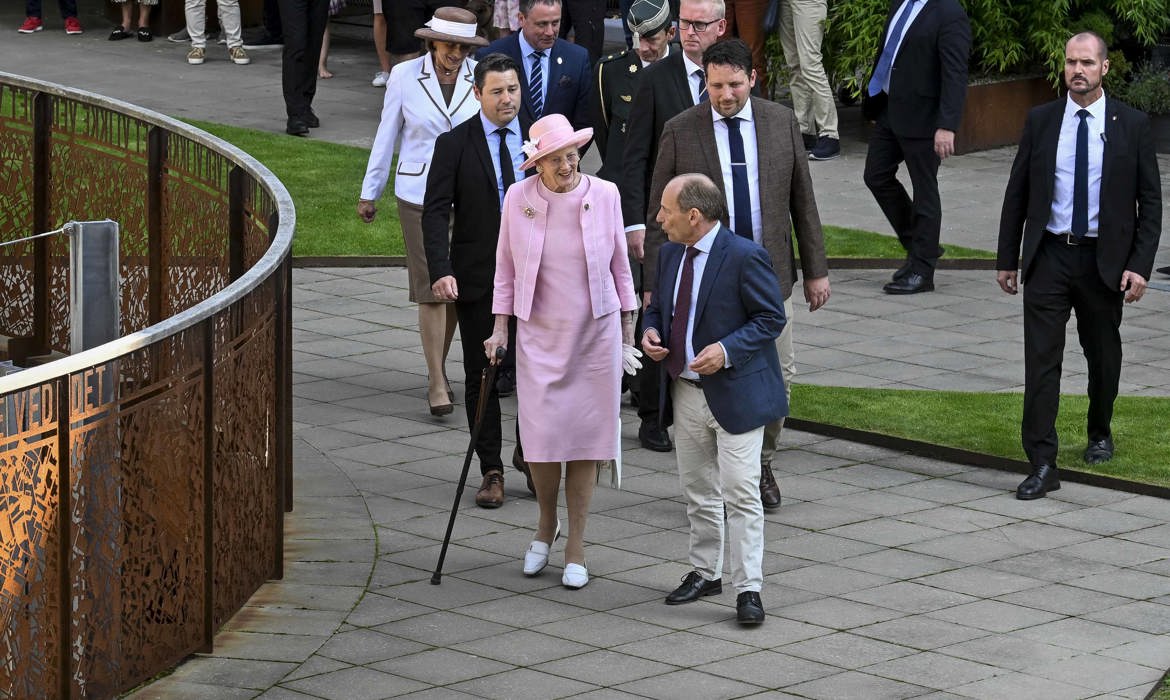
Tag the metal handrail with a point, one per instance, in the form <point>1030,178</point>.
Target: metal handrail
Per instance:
<point>280,247</point>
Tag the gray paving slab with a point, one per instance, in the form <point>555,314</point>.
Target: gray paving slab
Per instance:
<point>888,575</point>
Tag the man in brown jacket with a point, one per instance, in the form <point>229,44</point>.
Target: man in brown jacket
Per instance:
<point>752,149</point>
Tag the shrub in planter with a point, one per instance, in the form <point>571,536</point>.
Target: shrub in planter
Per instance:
<point>1148,89</point>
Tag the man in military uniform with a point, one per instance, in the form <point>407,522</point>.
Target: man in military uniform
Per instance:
<point>616,78</point>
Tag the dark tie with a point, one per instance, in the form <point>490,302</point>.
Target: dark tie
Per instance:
<point>507,169</point>
<point>536,85</point>
<point>739,180</point>
<point>703,97</point>
<point>1080,218</point>
<point>881,74</point>
<point>676,360</point>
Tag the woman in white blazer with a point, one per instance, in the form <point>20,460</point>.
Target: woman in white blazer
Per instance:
<point>425,97</point>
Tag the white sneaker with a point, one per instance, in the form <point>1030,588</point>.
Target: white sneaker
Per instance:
<point>380,79</point>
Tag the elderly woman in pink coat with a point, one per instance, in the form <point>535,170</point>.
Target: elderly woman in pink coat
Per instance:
<point>563,272</point>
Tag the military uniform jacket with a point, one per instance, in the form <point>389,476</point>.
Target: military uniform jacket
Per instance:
<point>614,80</point>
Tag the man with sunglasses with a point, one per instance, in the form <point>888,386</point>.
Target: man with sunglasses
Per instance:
<point>667,88</point>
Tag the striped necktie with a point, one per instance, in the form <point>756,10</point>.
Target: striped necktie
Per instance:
<point>536,85</point>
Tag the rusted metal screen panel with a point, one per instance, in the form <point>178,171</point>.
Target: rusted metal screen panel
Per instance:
<point>244,448</point>
<point>16,211</point>
<point>29,543</point>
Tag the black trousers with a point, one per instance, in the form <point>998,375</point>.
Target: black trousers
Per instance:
<point>271,19</point>
<point>1065,278</point>
<point>32,8</point>
<point>303,25</point>
<point>586,19</point>
<point>917,221</point>
<point>475,325</point>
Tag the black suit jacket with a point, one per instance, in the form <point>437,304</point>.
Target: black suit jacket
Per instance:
<point>928,81</point>
<point>615,80</point>
<point>1130,219</point>
<point>569,79</point>
<point>462,182</point>
<point>663,92</point>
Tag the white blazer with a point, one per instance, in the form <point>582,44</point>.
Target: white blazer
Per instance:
<point>413,115</point>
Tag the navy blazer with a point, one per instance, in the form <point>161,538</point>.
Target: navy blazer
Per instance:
<point>569,79</point>
<point>739,305</point>
<point>1130,220</point>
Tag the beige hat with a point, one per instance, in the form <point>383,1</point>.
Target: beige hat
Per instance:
<point>452,24</point>
<point>550,134</point>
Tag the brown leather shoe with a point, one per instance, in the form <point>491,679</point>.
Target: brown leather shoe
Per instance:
<point>522,467</point>
<point>769,489</point>
<point>491,491</point>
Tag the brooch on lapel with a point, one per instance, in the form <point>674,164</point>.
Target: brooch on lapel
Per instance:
<point>560,60</point>
<point>528,211</point>
<point>633,69</point>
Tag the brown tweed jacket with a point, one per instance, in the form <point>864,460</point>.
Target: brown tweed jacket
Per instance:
<point>688,146</point>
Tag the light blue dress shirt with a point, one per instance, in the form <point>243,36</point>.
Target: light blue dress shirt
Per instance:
<point>1060,218</point>
<point>514,150</point>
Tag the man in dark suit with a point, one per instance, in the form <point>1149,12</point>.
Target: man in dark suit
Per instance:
<point>915,96</point>
<point>555,77</point>
<point>712,321</point>
<point>303,24</point>
<point>1085,197</point>
<point>752,148</point>
<point>473,165</point>
<point>666,88</point>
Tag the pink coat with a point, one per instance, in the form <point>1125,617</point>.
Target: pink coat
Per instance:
<point>522,229</point>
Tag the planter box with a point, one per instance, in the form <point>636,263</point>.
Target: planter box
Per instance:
<point>994,113</point>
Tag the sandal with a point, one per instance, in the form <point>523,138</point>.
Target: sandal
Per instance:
<point>144,34</point>
<point>119,33</point>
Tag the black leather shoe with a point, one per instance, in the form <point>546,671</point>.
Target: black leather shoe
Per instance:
<point>748,608</point>
<point>901,272</point>
<point>912,283</point>
<point>310,118</point>
<point>769,489</point>
<point>297,127</point>
<point>693,587</point>
<point>1099,451</point>
<point>1043,479</point>
<point>522,467</point>
<point>506,381</point>
<point>654,438</point>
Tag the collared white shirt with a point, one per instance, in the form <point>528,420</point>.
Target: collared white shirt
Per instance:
<point>514,149</point>
<point>526,51</point>
<point>747,129</point>
<point>915,9</point>
<point>1060,218</point>
<point>692,76</point>
<point>703,245</point>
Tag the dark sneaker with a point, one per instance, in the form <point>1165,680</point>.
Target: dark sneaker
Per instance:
<point>827,148</point>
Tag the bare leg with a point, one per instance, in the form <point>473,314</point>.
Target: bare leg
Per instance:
<point>143,15</point>
<point>546,477</point>
<point>435,330</point>
<point>127,15</point>
<point>580,478</point>
<point>322,69</point>
<point>380,42</point>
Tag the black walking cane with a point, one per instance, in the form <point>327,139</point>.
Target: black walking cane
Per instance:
<point>486,380</point>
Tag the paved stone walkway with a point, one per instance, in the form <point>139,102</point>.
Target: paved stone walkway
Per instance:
<point>888,575</point>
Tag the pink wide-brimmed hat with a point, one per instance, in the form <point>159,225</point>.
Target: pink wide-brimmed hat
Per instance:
<point>549,134</point>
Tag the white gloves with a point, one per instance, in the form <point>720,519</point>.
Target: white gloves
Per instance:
<point>630,355</point>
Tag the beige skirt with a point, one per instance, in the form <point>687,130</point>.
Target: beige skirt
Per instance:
<point>410,217</point>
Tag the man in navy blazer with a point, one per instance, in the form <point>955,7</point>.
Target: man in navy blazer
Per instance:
<point>1085,201</point>
<point>561,69</point>
<point>712,322</point>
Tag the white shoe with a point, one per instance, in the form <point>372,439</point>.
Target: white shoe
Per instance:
<point>575,576</point>
<point>380,79</point>
<point>536,558</point>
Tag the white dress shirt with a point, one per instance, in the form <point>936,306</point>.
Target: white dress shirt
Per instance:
<point>526,50</point>
<point>747,129</point>
<point>1060,219</point>
<point>915,9</point>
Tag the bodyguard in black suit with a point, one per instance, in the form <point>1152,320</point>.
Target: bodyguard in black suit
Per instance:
<point>564,72</point>
<point>472,166</point>
<point>303,24</point>
<point>915,96</point>
<point>1085,198</point>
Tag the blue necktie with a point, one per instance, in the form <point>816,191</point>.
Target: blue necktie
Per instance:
<point>739,180</point>
<point>536,85</point>
<point>1080,217</point>
<point>703,96</point>
<point>881,74</point>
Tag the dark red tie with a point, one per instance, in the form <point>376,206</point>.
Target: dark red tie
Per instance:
<point>676,360</point>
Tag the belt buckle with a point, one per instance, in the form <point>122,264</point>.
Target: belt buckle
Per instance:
<point>1070,239</point>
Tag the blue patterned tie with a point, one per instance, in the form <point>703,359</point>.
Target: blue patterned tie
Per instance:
<point>703,96</point>
<point>739,180</point>
<point>536,85</point>
<point>1080,217</point>
<point>881,74</point>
